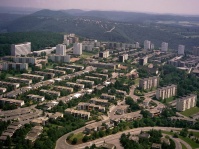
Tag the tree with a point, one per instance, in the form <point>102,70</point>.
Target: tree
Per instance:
<point>184,132</point>
<point>74,141</point>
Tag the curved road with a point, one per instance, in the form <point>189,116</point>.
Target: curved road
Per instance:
<point>62,144</point>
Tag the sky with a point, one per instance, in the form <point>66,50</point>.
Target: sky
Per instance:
<point>190,7</point>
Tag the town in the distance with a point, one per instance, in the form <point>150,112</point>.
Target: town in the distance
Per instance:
<point>88,94</point>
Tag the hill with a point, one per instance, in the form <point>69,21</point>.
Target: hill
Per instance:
<point>126,26</point>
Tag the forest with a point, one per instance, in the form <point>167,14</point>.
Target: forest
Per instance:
<point>39,40</point>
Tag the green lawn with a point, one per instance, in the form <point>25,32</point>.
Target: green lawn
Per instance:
<point>190,142</point>
<point>196,134</point>
<point>79,136</point>
<point>137,81</point>
<point>169,99</point>
<point>167,132</point>
<point>183,146</point>
<point>190,112</point>
<point>193,144</point>
<point>86,54</point>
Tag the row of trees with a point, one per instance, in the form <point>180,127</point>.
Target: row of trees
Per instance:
<point>143,143</point>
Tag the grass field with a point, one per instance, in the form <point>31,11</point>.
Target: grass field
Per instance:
<point>190,112</point>
<point>86,54</point>
<point>79,137</point>
<point>183,146</point>
<point>193,144</point>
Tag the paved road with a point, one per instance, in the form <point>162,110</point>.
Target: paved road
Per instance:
<point>62,144</point>
<point>177,142</point>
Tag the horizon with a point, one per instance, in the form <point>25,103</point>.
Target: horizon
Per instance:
<point>185,7</point>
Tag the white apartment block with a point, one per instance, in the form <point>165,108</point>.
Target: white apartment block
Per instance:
<point>104,54</point>
<point>152,46</point>
<point>77,48</point>
<point>149,83</point>
<point>123,57</point>
<point>166,92</point>
<point>61,49</point>
<point>21,49</point>
<point>181,49</point>
<point>60,58</point>
<point>186,102</point>
<point>143,61</point>
<point>15,66</point>
<point>147,44</point>
<point>164,47</point>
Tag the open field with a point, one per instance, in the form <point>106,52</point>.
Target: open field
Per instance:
<point>190,112</point>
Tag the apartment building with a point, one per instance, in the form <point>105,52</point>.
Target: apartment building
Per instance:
<point>21,49</point>
<point>101,102</point>
<point>15,66</point>
<point>106,96</point>
<point>50,92</point>
<point>60,58</point>
<point>104,54</point>
<point>60,72</point>
<point>45,74</point>
<point>18,103</point>
<point>29,60</point>
<point>149,83</point>
<point>65,68</point>
<point>19,80</point>
<point>101,75</point>
<point>77,48</point>
<point>103,65</point>
<point>93,78</point>
<point>166,92</point>
<point>90,107</point>
<point>85,81</point>
<point>78,67</point>
<point>164,47</point>
<point>147,44</point>
<point>123,57</point>
<point>143,61</point>
<point>13,85</point>
<point>78,113</point>
<point>36,97</point>
<point>196,51</point>
<point>34,133</point>
<point>61,49</point>
<point>186,102</point>
<point>47,51</point>
<point>60,88</point>
<point>31,76</point>
<point>71,84</point>
<point>181,49</point>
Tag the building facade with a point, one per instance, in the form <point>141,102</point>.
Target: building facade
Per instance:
<point>29,60</point>
<point>61,49</point>
<point>166,92</point>
<point>21,49</point>
<point>196,51</point>
<point>59,58</point>
<point>104,54</point>
<point>147,44</point>
<point>123,57</point>
<point>181,49</point>
<point>15,66</point>
<point>149,83</point>
<point>77,48</point>
<point>186,102</point>
<point>143,61</point>
<point>164,47</point>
